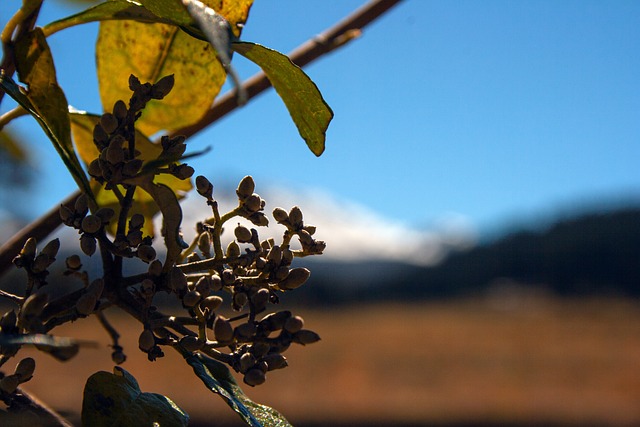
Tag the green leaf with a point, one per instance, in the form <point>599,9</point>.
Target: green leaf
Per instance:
<point>218,379</point>
<point>44,99</point>
<point>150,52</point>
<point>115,400</point>
<point>110,10</point>
<point>82,125</point>
<point>308,109</point>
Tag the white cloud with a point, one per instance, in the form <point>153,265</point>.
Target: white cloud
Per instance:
<point>351,231</point>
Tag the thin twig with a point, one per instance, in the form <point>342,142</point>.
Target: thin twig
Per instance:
<point>316,47</point>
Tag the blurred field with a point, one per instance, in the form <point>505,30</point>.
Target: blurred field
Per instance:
<point>530,362</point>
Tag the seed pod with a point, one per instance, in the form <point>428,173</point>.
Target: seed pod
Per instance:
<point>146,253</point>
<point>305,337</point>
<point>25,368</point>
<point>295,279</point>
<point>91,224</point>
<point>109,122</point>
<point>233,250</point>
<point>86,304</point>
<point>191,298</point>
<point>146,341</point>
<point>246,187</point>
<point>280,215</point>
<point>247,361</point>
<point>294,324</point>
<point>191,343</point>
<point>9,383</point>
<point>222,329</point>
<point>254,377</point>
<point>295,217</point>
<point>253,203</point>
<point>275,361</point>
<point>88,244</point>
<point>204,187</point>
<point>243,234</point>
<point>211,303</point>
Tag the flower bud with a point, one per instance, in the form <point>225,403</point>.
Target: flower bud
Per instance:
<point>74,263</point>
<point>81,205</point>
<point>177,279</point>
<point>293,324</point>
<point>25,368</point>
<point>118,357</point>
<point>136,222</point>
<point>204,187</point>
<point>295,217</point>
<point>162,87</point>
<point>105,214</point>
<point>191,343</point>
<point>280,215</point>
<point>86,303</point>
<point>222,329</point>
<point>29,248</point>
<point>88,244</point>
<point>191,298</point>
<point>155,268</point>
<point>246,187</point>
<point>254,377</point>
<point>120,109</point>
<point>275,361</point>
<point>109,122</point>
<point>295,279</point>
<point>33,305</point>
<point>146,253</point>
<point>245,331</point>
<point>305,337</point>
<point>204,243</point>
<point>253,203</point>
<point>239,300</point>
<point>275,321</point>
<point>66,214</point>
<point>100,136</point>
<point>146,341</point>
<point>51,249</point>
<point>247,361</point>
<point>211,303</point>
<point>243,234</point>
<point>9,383</point>
<point>233,250</point>
<point>91,224</point>
<point>260,299</point>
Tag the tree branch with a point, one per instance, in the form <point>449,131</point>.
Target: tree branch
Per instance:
<point>316,47</point>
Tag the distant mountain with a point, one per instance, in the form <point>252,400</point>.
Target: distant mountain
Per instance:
<point>590,254</point>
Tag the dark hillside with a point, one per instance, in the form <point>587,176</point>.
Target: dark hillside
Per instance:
<point>593,254</point>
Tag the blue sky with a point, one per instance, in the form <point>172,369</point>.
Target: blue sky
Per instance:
<point>488,111</point>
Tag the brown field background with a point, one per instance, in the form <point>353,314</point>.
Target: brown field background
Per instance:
<point>532,361</point>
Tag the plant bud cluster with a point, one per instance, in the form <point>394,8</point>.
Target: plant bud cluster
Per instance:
<point>251,272</point>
